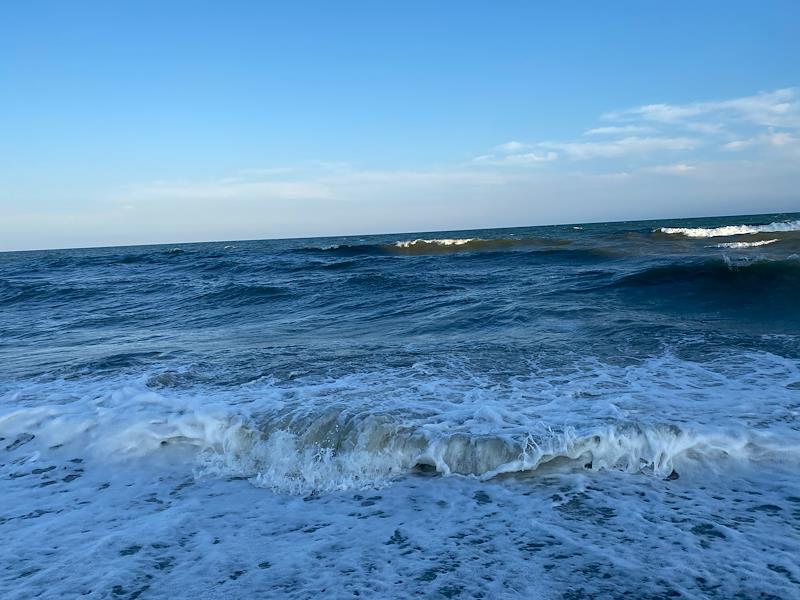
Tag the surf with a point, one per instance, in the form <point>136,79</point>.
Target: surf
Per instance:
<point>300,451</point>
<point>731,230</point>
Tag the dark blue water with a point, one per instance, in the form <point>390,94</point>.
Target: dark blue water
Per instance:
<point>578,390</point>
<point>254,308</point>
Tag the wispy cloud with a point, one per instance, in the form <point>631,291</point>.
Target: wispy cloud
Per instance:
<point>619,130</point>
<point>551,151</point>
<point>521,158</point>
<point>770,138</point>
<point>511,147</point>
<point>227,189</point>
<point>324,182</point>
<point>622,147</point>
<point>662,131</point>
<point>514,153</point>
<point>676,169</point>
<point>780,108</point>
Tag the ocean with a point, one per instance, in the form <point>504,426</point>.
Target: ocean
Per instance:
<point>577,411</point>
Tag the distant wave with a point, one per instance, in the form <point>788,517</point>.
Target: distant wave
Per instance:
<point>740,245</point>
<point>439,246</point>
<point>420,246</point>
<point>702,232</point>
<point>444,242</point>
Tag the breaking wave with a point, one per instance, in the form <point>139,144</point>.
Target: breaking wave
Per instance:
<point>335,454</point>
<point>336,450</point>
<point>444,242</point>
<point>703,232</point>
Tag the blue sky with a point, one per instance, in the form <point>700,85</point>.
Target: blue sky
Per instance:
<point>143,122</point>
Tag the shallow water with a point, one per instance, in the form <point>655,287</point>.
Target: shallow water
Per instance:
<point>603,410</point>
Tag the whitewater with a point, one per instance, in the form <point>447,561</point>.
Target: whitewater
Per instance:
<point>581,411</point>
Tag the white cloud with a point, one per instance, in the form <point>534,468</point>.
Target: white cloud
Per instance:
<point>662,113</point>
<point>520,159</point>
<point>511,147</point>
<point>328,183</point>
<point>649,131</point>
<point>627,146</point>
<point>780,108</point>
<point>676,169</point>
<point>771,138</point>
<point>619,130</point>
<point>738,144</point>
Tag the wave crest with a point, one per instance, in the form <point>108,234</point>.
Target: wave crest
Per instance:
<point>742,245</point>
<point>332,452</point>
<point>436,242</point>
<point>338,450</point>
<point>373,451</point>
<point>704,232</point>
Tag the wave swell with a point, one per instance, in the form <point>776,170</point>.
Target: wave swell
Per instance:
<point>421,246</point>
<point>757,276</point>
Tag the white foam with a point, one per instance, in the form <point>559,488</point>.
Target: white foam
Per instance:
<point>702,232</point>
<point>742,245</point>
<point>366,429</point>
<point>304,448</point>
<point>157,507</point>
<point>128,533</point>
<point>435,242</point>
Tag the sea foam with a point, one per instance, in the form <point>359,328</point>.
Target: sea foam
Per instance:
<point>435,242</point>
<point>742,245</point>
<point>297,438</point>
<point>705,232</point>
<point>328,452</point>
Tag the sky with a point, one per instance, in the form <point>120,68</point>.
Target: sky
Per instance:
<point>160,122</point>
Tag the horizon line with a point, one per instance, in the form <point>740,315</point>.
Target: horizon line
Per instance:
<point>315,237</point>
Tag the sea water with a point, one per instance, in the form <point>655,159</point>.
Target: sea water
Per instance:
<point>577,411</point>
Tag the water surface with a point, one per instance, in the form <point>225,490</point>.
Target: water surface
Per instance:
<point>600,410</point>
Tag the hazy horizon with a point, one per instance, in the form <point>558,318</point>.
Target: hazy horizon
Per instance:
<point>416,232</point>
